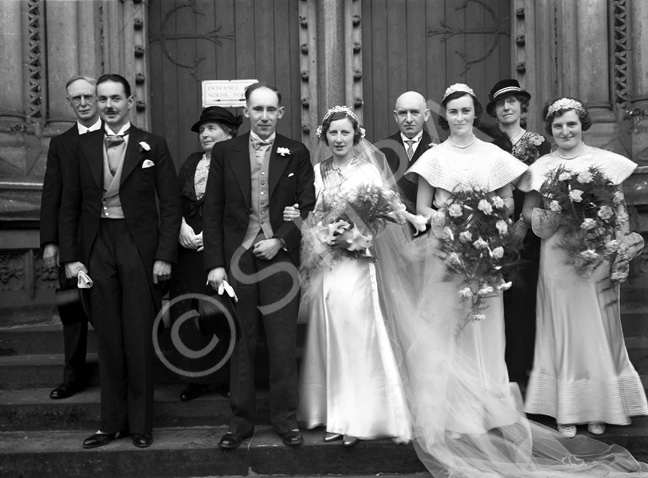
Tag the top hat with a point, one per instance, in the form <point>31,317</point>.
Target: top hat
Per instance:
<point>217,114</point>
<point>217,312</point>
<point>72,303</point>
<point>502,89</point>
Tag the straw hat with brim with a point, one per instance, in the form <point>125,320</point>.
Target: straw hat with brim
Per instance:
<point>215,315</point>
<point>217,114</point>
<point>72,304</point>
<point>502,89</point>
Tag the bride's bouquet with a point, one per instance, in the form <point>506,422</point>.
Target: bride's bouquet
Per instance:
<point>477,244</point>
<point>357,215</point>
<point>591,210</point>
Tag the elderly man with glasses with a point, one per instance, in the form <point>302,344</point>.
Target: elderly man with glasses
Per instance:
<point>81,95</point>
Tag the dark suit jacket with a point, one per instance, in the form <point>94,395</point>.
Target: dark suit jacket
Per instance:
<point>396,154</point>
<point>227,207</point>
<point>149,198</point>
<point>55,171</point>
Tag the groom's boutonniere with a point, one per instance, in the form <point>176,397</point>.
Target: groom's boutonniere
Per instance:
<point>283,151</point>
<point>144,146</point>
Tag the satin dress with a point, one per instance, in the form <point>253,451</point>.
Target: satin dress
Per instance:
<point>349,380</point>
<point>479,345</point>
<point>581,371</point>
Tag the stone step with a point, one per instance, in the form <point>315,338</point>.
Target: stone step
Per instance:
<point>193,452</point>
<point>48,339</point>
<point>32,409</point>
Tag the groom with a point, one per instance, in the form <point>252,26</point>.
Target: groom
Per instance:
<point>252,179</point>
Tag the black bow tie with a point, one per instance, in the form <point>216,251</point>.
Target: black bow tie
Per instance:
<point>115,139</point>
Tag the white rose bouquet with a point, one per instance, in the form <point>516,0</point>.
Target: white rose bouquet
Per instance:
<point>592,212</point>
<point>477,243</point>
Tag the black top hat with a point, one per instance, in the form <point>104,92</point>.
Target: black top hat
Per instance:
<point>218,115</point>
<point>503,89</point>
<point>72,303</point>
<point>216,316</point>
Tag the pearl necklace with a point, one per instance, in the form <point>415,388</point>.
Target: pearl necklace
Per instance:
<point>464,146</point>
<point>574,156</point>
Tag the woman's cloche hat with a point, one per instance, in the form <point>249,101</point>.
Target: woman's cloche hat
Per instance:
<point>216,114</point>
<point>502,89</point>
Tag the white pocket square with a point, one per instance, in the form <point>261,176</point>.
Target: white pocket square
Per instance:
<point>147,164</point>
<point>291,175</point>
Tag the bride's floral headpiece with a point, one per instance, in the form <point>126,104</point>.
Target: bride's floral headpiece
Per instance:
<point>340,109</point>
<point>564,104</point>
<point>458,87</point>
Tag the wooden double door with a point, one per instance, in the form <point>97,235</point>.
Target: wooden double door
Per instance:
<point>422,45</point>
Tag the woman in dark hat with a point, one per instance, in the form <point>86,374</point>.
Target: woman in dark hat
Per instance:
<point>509,104</point>
<point>216,124</point>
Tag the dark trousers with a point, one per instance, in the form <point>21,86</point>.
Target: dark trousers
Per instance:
<point>123,311</point>
<point>273,287</point>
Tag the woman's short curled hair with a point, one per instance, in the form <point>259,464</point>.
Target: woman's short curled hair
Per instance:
<point>229,129</point>
<point>581,111</point>
<point>326,124</point>
<point>479,109</point>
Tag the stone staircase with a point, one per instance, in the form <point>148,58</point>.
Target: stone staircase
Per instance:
<point>42,437</point>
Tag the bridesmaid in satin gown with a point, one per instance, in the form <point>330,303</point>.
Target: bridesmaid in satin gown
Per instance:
<point>581,372</point>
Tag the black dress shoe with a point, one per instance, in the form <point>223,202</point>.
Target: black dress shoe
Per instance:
<point>350,441</point>
<point>142,440</point>
<point>65,390</point>
<point>231,441</point>
<point>292,438</point>
<point>193,390</point>
<point>101,439</point>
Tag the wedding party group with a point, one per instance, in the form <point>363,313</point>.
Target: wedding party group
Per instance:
<point>450,289</point>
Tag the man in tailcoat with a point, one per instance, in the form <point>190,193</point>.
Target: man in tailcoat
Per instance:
<point>81,95</point>
<point>252,179</point>
<point>402,149</point>
<point>123,201</point>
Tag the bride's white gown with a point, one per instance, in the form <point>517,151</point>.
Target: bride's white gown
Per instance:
<point>349,379</point>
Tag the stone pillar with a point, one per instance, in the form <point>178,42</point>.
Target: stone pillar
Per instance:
<point>331,61</point>
<point>593,58</point>
<point>11,52</point>
<point>638,107</point>
<point>62,61</point>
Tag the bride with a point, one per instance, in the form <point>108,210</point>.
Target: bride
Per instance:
<point>349,378</point>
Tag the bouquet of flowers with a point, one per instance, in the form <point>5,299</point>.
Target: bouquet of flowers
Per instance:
<point>358,215</point>
<point>526,150</point>
<point>591,210</point>
<point>477,244</point>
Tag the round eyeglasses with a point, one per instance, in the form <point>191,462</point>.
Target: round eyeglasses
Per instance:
<point>77,100</point>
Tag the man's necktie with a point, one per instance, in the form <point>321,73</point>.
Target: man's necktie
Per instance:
<point>257,144</point>
<point>410,148</point>
<point>114,150</point>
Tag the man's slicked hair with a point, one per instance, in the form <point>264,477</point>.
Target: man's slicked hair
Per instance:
<point>117,79</point>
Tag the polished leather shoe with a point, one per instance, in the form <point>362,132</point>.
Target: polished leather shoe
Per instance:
<point>101,439</point>
<point>350,441</point>
<point>292,438</point>
<point>142,440</point>
<point>193,390</point>
<point>329,437</point>
<point>231,441</point>
<point>65,390</point>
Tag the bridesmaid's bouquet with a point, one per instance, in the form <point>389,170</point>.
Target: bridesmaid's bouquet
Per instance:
<point>477,243</point>
<point>591,210</point>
